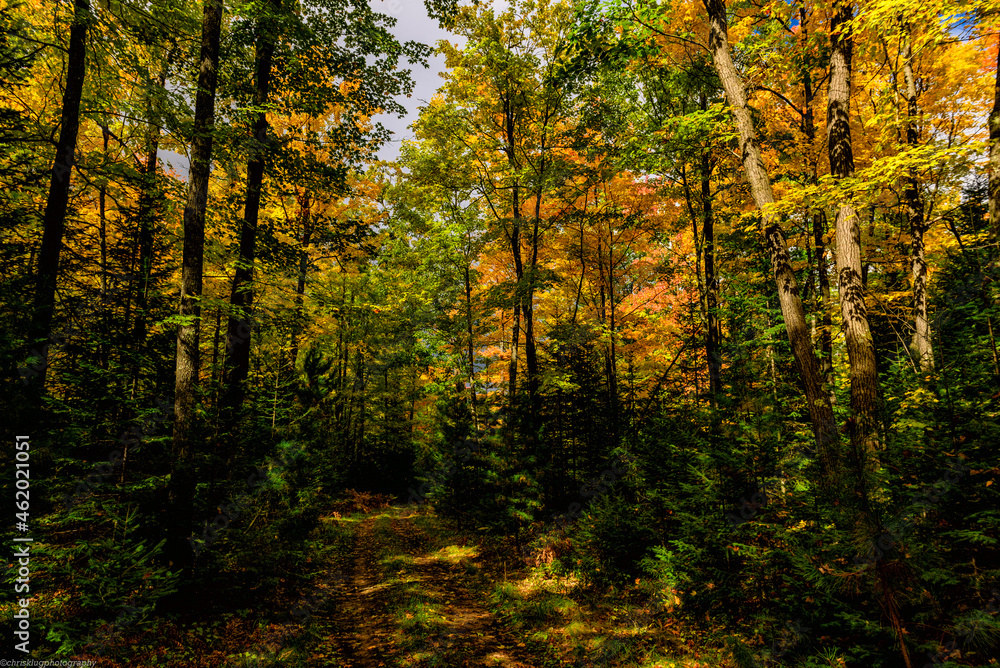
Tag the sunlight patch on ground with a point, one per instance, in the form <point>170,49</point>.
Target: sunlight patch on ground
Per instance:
<point>456,553</point>
<point>353,518</point>
<point>551,608</point>
<point>542,581</point>
<point>398,561</point>
<point>500,659</point>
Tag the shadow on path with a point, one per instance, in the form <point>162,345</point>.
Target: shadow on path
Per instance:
<point>408,601</point>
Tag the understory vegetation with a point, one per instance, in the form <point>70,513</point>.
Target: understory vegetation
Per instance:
<point>669,338</point>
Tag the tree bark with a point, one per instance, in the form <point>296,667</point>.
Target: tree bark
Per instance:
<point>823,301</point>
<point>54,221</point>
<point>820,411</point>
<point>713,339</point>
<point>343,351</point>
<point>922,347</point>
<point>994,165</point>
<point>612,358</point>
<point>823,297</point>
<point>305,224</point>
<point>472,350</point>
<point>102,196</point>
<point>182,477</point>
<point>860,347</point>
<point>530,351</point>
<point>701,252</point>
<point>239,330</point>
<point>514,237</point>
<point>146,209</point>
<point>512,371</point>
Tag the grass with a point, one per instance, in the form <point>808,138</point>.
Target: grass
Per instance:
<point>568,622</point>
<point>428,597</point>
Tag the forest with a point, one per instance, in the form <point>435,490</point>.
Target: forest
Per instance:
<point>667,338</point>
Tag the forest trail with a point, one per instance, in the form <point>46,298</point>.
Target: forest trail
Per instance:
<point>407,602</point>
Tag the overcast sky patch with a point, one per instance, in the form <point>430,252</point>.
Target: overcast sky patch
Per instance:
<point>412,24</point>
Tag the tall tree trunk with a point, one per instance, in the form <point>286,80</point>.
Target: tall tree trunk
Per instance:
<point>514,344</point>
<point>515,249</point>
<point>699,254</point>
<point>994,165</point>
<point>146,209</point>
<point>510,137</point>
<point>102,196</point>
<point>820,411</point>
<point>819,227</point>
<point>713,339</point>
<point>607,310</point>
<point>239,330</point>
<point>863,374</point>
<point>216,338</point>
<point>921,345</point>
<point>860,347</point>
<point>612,369</point>
<point>530,351</point>
<point>472,350</point>
<point>305,224</point>
<point>54,221</point>
<point>343,346</point>
<point>184,452</point>
<point>583,260</point>
<point>357,397</point>
<point>824,298</point>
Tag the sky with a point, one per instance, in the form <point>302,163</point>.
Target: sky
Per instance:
<point>412,23</point>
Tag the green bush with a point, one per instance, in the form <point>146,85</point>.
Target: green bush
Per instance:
<point>116,579</point>
<point>611,537</point>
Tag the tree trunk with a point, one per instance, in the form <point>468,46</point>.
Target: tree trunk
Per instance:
<point>612,355</point>
<point>305,224</point>
<point>216,338</point>
<point>182,477</point>
<point>921,346</point>
<point>823,301</point>
<point>819,229</point>
<point>149,197</point>
<point>994,165</point>
<point>530,352</point>
<point>512,372</point>
<point>713,340</point>
<point>102,196</point>
<point>54,222</point>
<point>820,411</point>
<point>510,136</point>
<point>700,253</point>
<point>583,261</point>
<point>860,347</point>
<point>472,350</point>
<point>343,351</point>
<point>239,331</point>
<point>357,397</point>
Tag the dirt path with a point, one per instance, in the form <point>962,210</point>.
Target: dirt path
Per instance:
<point>408,601</point>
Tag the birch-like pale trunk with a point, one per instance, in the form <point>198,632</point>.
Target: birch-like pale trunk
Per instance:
<point>821,416</point>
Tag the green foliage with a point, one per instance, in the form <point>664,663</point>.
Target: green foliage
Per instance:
<point>473,474</point>
<point>115,579</point>
<point>612,537</point>
<point>383,323</point>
